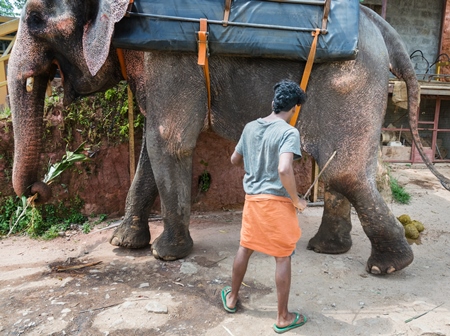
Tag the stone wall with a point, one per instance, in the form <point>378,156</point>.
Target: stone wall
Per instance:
<point>419,24</point>
<point>446,37</point>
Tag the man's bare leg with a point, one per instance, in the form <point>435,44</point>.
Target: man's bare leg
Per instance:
<point>239,269</point>
<point>283,282</point>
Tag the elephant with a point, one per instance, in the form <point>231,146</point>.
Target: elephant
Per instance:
<point>344,113</point>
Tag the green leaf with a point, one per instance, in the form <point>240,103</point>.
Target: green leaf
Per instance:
<point>66,162</point>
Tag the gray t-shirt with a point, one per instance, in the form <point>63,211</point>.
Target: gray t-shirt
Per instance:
<point>261,144</point>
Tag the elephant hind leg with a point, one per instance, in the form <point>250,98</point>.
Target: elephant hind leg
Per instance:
<point>333,236</point>
<point>390,249</point>
<point>134,232</point>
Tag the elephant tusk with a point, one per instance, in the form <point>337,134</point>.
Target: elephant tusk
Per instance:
<point>29,85</point>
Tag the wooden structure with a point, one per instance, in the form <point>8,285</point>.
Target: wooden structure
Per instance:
<point>8,30</point>
<point>433,123</point>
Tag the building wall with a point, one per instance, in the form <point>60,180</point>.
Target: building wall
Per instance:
<point>419,24</point>
<point>446,37</point>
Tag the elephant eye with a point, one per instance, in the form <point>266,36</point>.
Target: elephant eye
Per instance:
<point>35,20</point>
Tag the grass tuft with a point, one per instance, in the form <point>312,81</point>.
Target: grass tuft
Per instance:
<point>399,194</point>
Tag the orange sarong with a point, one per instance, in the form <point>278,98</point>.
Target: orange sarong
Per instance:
<point>270,225</point>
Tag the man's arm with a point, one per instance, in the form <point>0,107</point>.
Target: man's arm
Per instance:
<point>287,177</point>
<point>237,159</point>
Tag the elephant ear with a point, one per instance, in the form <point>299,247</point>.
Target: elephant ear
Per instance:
<point>98,32</point>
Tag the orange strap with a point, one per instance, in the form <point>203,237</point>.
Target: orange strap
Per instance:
<point>203,60</point>
<point>307,72</point>
<point>122,64</point>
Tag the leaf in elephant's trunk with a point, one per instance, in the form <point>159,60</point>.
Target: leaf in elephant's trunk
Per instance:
<point>54,171</point>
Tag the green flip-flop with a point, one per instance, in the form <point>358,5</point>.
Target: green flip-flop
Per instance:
<point>225,291</point>
<point>291,326</point>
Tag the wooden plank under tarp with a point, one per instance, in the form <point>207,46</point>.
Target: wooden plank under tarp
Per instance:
<point>428,88</point>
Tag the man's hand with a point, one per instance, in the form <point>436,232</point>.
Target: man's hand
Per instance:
<point>300,204</point>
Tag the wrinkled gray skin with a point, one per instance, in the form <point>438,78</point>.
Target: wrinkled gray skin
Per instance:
<point>344,113</point>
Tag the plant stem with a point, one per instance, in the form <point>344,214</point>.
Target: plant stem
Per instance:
<point>30,201</point>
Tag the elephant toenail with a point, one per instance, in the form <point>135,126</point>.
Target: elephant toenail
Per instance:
<point>375,270</point>
<point>390,270</point>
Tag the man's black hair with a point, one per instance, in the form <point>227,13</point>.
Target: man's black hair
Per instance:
<point>287,95</point>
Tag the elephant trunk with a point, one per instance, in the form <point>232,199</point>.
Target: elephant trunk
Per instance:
<point>27,94</point>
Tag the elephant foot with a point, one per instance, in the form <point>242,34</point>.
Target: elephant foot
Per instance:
<point>131,233</point>
<point>330,244</point>
<point>393,258</point>
<point>172,246</point>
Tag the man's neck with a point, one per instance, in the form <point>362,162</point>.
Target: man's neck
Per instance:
<point>278,116</point>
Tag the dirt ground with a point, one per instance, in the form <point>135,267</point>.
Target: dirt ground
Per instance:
<point>128,292</point>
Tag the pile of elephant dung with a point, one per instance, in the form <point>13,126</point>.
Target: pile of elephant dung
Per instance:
<point>412,227</point>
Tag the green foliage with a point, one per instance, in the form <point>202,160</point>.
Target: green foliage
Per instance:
<point>86,227</point>
<point>6,8</point>
<point>102,218</point>
<point>8,165</point>
<point>11,8</point>
<point>98,115</point>
<point>44,221</point>
<point>204,180</point>
<point>5,113</point>
<point>66,162</point>
<point>52,101</point>
<point>10,210</point>
<point>139,121</point>
<point>399,193</point>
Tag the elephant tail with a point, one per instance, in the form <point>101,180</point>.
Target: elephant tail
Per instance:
<point>402,68</point>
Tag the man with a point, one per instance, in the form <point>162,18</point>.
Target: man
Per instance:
<point>267,148</point>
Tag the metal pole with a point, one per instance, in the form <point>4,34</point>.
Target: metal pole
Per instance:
<point>303,2</point>
<point>221,22</point>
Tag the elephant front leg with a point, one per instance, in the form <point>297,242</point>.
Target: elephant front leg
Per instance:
<point>171,159</point>
<point>333,236</point>
<point>175,241</point>
<point>174,185</point>
<point>134,232</point>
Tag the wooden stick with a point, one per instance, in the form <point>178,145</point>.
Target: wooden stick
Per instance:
<point>317,178</point>
<point>420,315</point>
<point>74,267</point>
